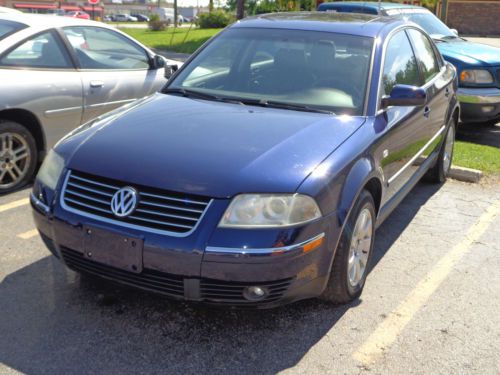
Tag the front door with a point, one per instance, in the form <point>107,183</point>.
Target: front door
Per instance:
<point>114,69</point>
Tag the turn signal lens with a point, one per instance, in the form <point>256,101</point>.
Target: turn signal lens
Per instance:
<point>476,76</point>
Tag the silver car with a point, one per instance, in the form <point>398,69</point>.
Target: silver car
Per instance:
<point>57,73</point>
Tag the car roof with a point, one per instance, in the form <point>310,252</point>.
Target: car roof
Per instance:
<point>372,5</point>
<point>344,23</point>
<point>41,21</point>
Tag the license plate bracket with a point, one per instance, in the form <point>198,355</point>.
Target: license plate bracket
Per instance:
<point>113,249</point>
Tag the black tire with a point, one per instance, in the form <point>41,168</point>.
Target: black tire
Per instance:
<point>28,166</point>
<point>439,172</point>
<point>339,289</point>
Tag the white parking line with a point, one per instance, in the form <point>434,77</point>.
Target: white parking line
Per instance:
<point>27,235</point>
<point>387,331</point>
<point>15,204</point>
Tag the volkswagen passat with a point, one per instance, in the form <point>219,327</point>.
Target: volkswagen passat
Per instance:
<point>260,173</point>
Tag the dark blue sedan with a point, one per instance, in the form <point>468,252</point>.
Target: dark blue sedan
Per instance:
<point>260,173</point>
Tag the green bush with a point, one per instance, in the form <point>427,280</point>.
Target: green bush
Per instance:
<point>216,19</point>
<point>156,24</point>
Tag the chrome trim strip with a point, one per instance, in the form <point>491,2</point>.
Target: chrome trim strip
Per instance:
<point>417,155</point>
<point>121,223</point>
<point>89,189</point>
<point>94,182</point>
<point>90,198</point>
<point>117,102</point>
<point>478,95</point>
<point>62,111</point>
<point>38,203</point>
<point>165,215</point>
<point>171,207</point>
<point>255,251</point>
<point>173,199</point>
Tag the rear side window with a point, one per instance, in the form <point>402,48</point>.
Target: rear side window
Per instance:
<point>400,65</point>
<point>41,51</point>
<point>425,54</point>
<point>9,27</point>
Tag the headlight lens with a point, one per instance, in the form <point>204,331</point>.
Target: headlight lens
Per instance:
<point>51,170</point>
<point>270,210</point>
<point>476,76</point>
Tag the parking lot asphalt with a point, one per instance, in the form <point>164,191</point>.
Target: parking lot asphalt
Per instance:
<point>430,306</point>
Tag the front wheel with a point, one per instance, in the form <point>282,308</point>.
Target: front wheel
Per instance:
<point>354,252</point>
<point>18,156</point>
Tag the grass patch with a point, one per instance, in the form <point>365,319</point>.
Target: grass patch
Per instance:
<point>182,40</point>
<point>471,155</point>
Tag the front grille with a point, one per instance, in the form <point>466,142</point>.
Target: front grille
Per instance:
<point>171,285</point>
<point>231,293</point>
<point>157,210</point>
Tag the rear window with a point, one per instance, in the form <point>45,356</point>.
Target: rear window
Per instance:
<point>9,27</point>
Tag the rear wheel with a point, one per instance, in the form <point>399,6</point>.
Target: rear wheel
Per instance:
<point>441,169</point>
<point>354,252</point>
<point>18,156</point>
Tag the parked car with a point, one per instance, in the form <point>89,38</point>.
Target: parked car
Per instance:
<point>78,14</point>
<point>8,10</point>
<point>124,18</point>
<point>141,17</point>
<point>478,65</point>
<point>258,175</point>
<point>167,14</point>
<point>107,18</point>
<point>57,73</point>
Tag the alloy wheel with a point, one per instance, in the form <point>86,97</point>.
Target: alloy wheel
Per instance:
<point>360,247</point>
<point>15,159</point>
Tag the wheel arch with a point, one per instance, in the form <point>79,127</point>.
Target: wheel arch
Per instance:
<point>30,122</point>
<point>362,176</point>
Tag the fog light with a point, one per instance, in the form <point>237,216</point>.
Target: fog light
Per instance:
<point>487,108</point>
<point>255,293</point>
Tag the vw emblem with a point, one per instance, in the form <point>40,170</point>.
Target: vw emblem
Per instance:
<point>124,201</point>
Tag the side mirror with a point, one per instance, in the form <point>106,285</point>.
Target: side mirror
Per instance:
<point>170,69</point>
<point>158,62</point>
<point>454,31</point>
<point>405,95</point>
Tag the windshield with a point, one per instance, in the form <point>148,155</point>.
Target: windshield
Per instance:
<point>9,27</point>
<point>430,23</point>
<point>318,70</point>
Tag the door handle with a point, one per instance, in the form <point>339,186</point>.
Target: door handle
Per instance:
<point>447,92</point>
<point>427,112</point>
<point>96,84</point>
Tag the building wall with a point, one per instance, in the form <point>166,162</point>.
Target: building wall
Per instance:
<point>473,17</point>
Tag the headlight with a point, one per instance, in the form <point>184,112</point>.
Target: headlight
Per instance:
<point>51,170</point>
<point>269,210</point>
<point>476,76</point>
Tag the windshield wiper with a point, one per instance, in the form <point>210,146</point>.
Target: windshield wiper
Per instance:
<point>190,93</point>
<point>284,105</point>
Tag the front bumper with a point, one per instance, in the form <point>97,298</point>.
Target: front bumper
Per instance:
<point>217,275</point>
<point>479,104</point>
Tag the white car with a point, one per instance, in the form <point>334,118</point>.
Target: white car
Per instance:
<point>57,73</point>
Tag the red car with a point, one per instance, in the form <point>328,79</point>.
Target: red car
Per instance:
<point>78,14</point>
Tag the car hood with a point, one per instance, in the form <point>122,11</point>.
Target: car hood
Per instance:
<point>209,148</point>
<point>470,53</point>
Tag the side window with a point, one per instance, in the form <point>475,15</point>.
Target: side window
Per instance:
<point>42,51</point>
<point>425,54</point>
<point>400,65</point>
<point>99,48</point>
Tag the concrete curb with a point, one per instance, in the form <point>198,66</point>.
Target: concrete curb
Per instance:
<point>465,174</point>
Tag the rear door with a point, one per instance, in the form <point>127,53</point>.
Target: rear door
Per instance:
<point>437,85</point>
<point>114,69</point>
